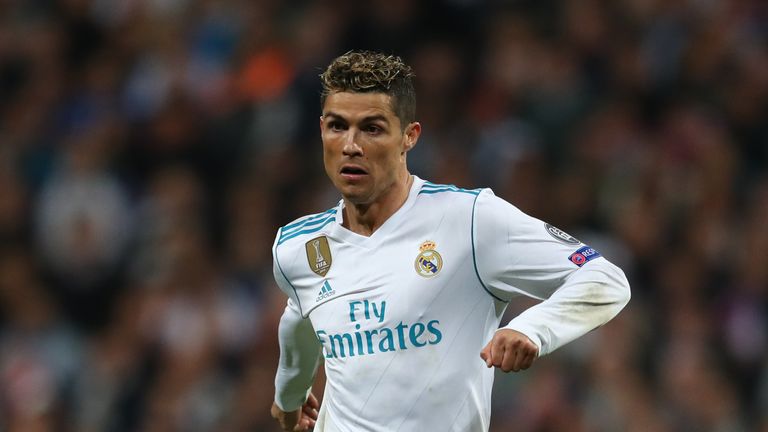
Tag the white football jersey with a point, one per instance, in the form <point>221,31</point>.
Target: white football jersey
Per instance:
<point>400,317</point>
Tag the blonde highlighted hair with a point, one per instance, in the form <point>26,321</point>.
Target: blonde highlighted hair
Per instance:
<point>373,72</point>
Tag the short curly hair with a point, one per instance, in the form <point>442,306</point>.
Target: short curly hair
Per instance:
<point>373,72</point>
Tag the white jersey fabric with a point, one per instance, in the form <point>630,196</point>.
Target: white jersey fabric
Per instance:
<point>400,317</point>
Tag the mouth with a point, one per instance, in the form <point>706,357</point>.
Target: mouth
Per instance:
<point>352,172</point>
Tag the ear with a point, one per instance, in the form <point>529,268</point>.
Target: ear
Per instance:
<point>412,133</point>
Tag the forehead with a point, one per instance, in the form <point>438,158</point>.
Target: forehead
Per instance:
<point>359,105</point>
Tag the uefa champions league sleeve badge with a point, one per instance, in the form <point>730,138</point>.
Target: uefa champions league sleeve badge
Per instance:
<point>429,262</point>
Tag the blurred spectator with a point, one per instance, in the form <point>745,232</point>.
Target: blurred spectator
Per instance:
<point>83,225</point>
<point>40,354</point>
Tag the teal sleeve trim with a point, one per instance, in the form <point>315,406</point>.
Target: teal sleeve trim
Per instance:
<point>434,191</point>
<point>308,219</point>
<point>431,188</point>
<point>322,223</point>
<point>300,227</point>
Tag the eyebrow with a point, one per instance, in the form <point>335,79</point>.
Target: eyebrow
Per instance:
<point>377,117</point>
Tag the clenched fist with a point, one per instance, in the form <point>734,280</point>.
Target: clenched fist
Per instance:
<point>509,350</point>
<point>303,419</point>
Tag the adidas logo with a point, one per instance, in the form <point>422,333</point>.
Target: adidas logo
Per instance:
<point>325,292</point>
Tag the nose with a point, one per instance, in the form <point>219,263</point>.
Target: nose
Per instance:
<point>351,147</point>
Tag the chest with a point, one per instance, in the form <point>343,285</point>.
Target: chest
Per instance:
<point>386,298</point>
<point>398,275</point>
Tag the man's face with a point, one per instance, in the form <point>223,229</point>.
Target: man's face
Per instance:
<point>364,144</point>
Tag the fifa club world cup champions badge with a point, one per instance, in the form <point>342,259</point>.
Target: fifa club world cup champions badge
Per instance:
<point>428,262</point>
<point>319,255</point>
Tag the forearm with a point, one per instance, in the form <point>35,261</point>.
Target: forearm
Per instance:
<point>299,358</point>
<point>589,298</point>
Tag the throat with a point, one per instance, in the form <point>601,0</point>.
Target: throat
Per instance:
<point>365,219</point>
<point>360,219</point>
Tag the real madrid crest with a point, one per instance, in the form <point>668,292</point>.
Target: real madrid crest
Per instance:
<point>428,262</point>
<point>319,255</point>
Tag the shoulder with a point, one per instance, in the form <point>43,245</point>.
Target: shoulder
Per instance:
<point>304,226</point>
<point>453,199</point>
<point>439,192</point>
<point>482,200</point>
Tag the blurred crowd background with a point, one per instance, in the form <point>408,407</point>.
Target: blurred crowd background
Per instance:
<point>150,149</point>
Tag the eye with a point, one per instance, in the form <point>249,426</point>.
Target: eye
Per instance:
<point>373,129</point>
<point>336,126</point>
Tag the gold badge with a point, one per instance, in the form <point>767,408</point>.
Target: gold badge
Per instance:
<point>428,262</point>
<point>319,255</point>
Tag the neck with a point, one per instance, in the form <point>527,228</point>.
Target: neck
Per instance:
<point>365,219</point>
